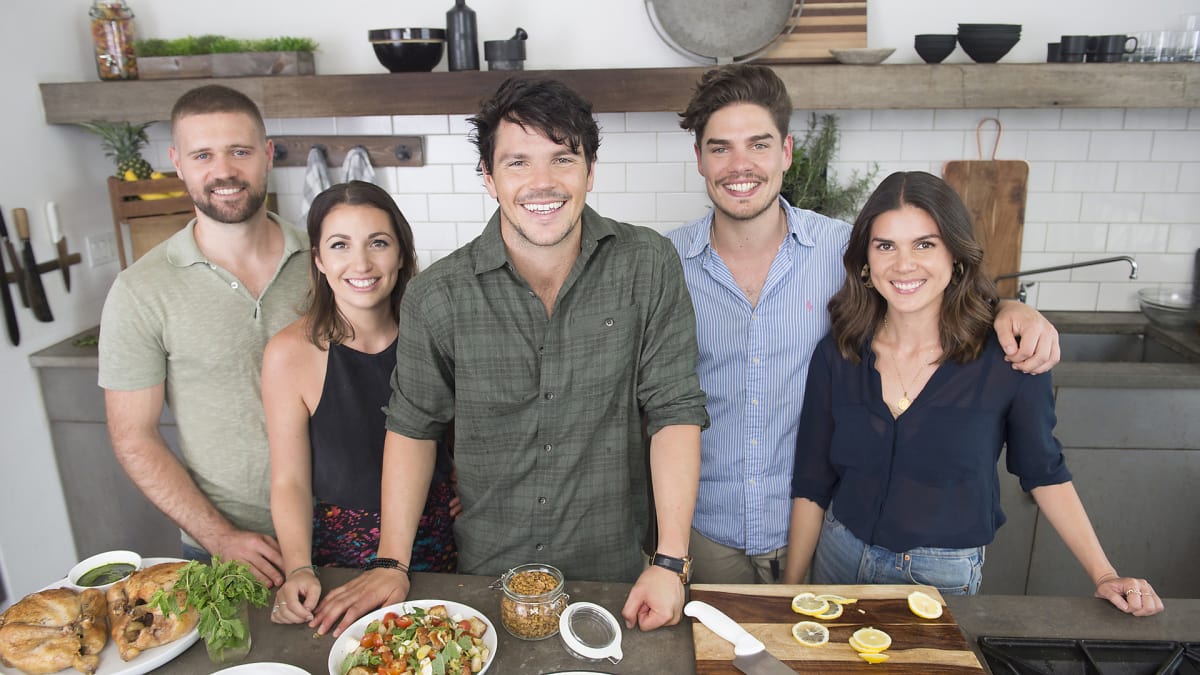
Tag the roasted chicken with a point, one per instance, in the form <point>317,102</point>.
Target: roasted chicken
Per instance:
<point>135,625</point>
<point>51,630</point>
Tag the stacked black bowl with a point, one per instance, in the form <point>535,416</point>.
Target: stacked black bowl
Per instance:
<point>988,42</point>
<point>934,48</point>
<point>404,50</point>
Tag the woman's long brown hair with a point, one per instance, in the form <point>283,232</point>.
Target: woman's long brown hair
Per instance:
<point>969,303</point>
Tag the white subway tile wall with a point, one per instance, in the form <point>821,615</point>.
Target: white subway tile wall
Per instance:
<point>1102,182</point>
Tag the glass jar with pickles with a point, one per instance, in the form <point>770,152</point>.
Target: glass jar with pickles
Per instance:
<point>112,35</point>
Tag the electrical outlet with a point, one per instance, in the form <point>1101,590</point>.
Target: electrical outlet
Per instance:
<point>101,249</point>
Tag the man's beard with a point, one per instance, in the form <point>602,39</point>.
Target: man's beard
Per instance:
<point>231,213</point>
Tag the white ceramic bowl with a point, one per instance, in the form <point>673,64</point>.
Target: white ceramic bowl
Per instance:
<point>862,57</point>
<point>100,560</point>
<point>348,641</point>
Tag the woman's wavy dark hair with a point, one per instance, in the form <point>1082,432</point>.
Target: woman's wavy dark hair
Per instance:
<point>325,323</point>
<point>544,105</point>
<point>969,303</point>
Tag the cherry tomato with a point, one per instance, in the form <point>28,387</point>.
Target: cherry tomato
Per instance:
<point>464,626</point>
<point>371,640</point>
<point>404,621</point>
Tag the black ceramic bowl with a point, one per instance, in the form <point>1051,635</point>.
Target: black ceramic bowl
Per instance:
<point>935,48</point>
<point>987,50</point>
<point>407,50</point>
<point>989,27</point>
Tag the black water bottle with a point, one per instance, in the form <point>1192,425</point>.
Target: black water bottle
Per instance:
<point>462,37</point>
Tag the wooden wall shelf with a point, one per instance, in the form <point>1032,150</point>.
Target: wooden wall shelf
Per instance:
<point>819,86</point>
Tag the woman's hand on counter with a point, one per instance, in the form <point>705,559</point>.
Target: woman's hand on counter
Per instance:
<point>296,598</point>
<point>1130,595</point>
<point>366,592</point>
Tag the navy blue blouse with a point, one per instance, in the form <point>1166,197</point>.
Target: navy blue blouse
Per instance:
<point>928,477</point>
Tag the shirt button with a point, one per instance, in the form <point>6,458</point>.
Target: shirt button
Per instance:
<point>233,285</point>
<point>540,546</point>
<point>549,396</point>
<point>752,483</point>
<point>212,266</point>
<point>753,401</point>
<point>547,447</point>
<point>608,322</point>
<point>532,294</point>
<point>541,500</point>
<point>753,442</point>
<point>754,360</point>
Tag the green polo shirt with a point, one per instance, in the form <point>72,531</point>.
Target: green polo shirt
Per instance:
<point>174,316</point>
<point>547,412</point>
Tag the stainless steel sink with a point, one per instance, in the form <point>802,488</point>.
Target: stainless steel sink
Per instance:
<point>1118,347</point>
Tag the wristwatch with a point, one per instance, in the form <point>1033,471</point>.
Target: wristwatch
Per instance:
<point>681,566</point>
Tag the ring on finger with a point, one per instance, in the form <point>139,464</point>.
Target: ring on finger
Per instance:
<point>1132,591</point>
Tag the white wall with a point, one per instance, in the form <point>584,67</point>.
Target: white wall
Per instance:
<point>1083,162</point>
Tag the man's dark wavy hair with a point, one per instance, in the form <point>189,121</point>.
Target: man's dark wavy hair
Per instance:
<point>738,83</point>
<point>545,105</point>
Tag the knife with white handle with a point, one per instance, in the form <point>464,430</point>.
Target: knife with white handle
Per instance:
<point>60,244</point>
<point>749,654</point>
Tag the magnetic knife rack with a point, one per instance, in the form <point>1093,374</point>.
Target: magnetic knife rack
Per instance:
<point>13,276</point>
<point>383,150</point>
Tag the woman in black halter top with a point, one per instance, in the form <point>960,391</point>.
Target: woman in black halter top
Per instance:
<point>326,378</point>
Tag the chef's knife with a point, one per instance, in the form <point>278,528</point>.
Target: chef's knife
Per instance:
<point>33,279</point>
<point>15,260</point>
<point>60,243</point>
<point>749,654</point>
<point>10,312</point>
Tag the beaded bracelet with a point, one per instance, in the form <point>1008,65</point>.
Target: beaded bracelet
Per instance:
<point>388,563</point>
<point>304,567</point>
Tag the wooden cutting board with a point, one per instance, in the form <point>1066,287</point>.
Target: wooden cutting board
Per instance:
<point>918,645</point>
<point>994,192</point>
<point>820,25</point>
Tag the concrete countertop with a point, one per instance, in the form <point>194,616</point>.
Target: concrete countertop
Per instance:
<point>670,650</point>
<point>1122,375</point>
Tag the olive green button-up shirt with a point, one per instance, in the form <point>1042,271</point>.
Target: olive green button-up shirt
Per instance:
<point>547,411</point>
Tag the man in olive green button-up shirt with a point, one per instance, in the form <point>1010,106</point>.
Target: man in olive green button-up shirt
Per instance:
<point>545,340</point>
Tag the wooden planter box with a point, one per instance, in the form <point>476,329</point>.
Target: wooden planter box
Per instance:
<point>239,64</point>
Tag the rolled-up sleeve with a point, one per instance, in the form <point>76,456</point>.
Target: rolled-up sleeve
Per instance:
<point>422,402</point>
<point>1032,452</point>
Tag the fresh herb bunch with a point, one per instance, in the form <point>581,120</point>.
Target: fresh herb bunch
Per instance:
<point>806,183</point>
<point>217,591</point>
<point>193,45</point>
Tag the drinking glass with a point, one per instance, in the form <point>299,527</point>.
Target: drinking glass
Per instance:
<point>1187,45</point>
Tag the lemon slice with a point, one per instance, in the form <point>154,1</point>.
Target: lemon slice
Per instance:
<point>924,606</point>
<point>808,604</point>
<point>874,658</point>
<point>870,640</point>
<point>834,611</point>
<point>832,597</point>
<point>810,633</point>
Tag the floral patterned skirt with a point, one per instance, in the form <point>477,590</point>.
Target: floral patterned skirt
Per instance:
<point>350,537</point>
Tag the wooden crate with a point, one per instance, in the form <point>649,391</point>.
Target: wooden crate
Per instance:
<point>238,64</point>
<point>822,25</point>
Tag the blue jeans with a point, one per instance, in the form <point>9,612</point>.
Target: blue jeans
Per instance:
<point>841,558</point>
<point>192,553</point>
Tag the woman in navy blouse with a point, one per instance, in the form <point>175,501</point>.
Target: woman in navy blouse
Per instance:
<point>909,403</point>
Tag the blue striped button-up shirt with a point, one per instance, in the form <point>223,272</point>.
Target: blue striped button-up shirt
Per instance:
<point>753,367</point>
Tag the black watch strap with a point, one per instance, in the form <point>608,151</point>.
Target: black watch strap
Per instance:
<point>681,566</point>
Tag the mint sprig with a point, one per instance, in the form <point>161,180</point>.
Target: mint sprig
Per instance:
<point>216,591</point>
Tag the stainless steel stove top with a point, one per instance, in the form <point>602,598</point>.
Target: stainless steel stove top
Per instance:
<point>1048,656</point>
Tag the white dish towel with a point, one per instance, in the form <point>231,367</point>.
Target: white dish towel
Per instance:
<point>358,165</point>
<point>316,179</point>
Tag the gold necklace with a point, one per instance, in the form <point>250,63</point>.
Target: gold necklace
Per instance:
<point>904,401</point>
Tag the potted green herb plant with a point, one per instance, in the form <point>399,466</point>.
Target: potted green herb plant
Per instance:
<point>807,184</point>
<point>220,56</point>
<point>221,592</point>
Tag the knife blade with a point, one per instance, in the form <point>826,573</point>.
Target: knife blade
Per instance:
<point>749,654</point>
<point>33,279</point>
<point>60,243</point>
<point>15,260</point>
<point>10,312</point>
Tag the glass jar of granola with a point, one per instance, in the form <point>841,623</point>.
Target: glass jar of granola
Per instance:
<point>533,599</point>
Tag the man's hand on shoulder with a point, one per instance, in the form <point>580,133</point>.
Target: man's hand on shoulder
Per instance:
<point>259,551</point>
<point>1038,350</point>
<point>656,600</point>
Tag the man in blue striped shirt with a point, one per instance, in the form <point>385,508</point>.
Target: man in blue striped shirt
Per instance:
<point>761,273</point>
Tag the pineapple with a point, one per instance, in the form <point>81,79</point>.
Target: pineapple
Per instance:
<point>123,142</point>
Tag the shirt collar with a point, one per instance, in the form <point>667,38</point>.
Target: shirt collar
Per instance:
<point>491,254</point>
<point>182,250</point>
<point>798,224</point>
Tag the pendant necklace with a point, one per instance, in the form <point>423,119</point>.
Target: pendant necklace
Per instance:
<point>904,401</point>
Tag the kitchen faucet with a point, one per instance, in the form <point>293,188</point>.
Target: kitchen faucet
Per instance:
<point>1022,294</point>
